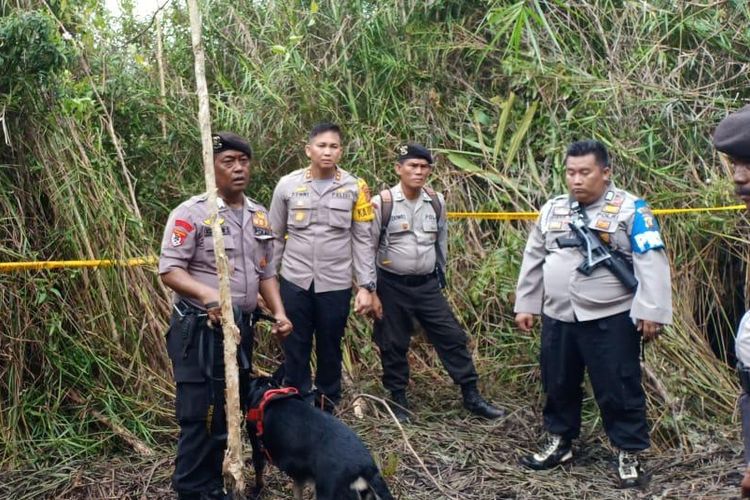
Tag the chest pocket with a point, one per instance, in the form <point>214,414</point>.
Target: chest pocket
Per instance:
<point>429,222</point>
<point>300,211</point>
<point>230,245</point>
<point>340,213</point>
<point>398,224</point>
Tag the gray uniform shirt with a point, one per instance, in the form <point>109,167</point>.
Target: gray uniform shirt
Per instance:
<point>188,244</point>
<point>410,242</point>
<point>323,237</point>
<point>549,282</point>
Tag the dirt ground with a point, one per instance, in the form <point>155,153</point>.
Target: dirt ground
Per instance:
<point>466,458</point>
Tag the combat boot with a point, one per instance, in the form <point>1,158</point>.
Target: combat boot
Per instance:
<point>475,403</point>
<point>555,451</point>
<point>629,470</point>
<point>400,408</point>
<point>745,485</point>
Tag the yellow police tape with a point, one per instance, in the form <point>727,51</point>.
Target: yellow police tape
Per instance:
<point>533,215</point>
<point>141,261</point>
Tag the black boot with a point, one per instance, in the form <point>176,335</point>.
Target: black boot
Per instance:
<point>400,406</point>
<point>555,451</point>
<point>475,403</point>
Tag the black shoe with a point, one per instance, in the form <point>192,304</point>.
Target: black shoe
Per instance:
<point>629,470</point>
<point>400,406</point>
<point>476,404</point>
<point>556,451</point>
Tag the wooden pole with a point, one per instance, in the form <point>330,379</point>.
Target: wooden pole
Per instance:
<point>232,467</point>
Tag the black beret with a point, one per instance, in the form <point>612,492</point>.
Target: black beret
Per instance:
<point>223,141</point>
<point>413,150</point>
<point>732,136</point>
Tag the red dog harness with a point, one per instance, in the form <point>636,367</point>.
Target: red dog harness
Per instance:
<point>255,415</point>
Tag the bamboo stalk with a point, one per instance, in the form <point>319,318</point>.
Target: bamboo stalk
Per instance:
<point>160,65</point>
<point>232,466</point>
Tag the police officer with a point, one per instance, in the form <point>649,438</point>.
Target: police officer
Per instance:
<point>732,138</point>
<point>411,250</point>
<point>321,216</point>
<point>594,321</point>
<point>194,341</point>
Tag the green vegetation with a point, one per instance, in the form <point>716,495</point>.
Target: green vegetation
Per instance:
<point>497,88</point>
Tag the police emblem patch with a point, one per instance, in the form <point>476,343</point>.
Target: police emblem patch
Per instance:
<point>178,237</point>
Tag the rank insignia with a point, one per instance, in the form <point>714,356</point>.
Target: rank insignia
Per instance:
<point>338,175</point>
<point>178,237</point>
<point>611,209</point>
<point>301,189</point>
<point>603,224</point>
<point>210,221</point>
<point>308,174</point>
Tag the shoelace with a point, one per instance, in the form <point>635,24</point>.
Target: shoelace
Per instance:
<point>628,466</point>
<point>550,446</point>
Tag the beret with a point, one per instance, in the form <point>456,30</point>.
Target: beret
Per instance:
<point>732,135</point>
<point>413,150</point>
<point>223,141</point>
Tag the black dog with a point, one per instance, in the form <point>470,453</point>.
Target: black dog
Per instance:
<point>311,446</point>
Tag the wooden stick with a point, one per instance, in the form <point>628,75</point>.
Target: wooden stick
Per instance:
<point>233,463</point>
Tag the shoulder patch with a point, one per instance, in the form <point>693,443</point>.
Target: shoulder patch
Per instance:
<point>363,211</point>
<point>645,234</point>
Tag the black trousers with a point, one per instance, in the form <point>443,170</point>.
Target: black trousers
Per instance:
<point>420,298</point>
<point>609,349</point>
<point>197,355</point>
<point>321,315</point>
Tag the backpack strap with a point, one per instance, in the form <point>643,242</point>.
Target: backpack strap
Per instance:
<point>435,201</point>
<point>386,209</point>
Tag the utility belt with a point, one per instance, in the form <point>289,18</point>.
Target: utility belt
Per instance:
<point>191,325</point>
<point>407,279</point>
<point>744,373</point>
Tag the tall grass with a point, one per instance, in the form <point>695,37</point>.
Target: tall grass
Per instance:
<point>496,88</point>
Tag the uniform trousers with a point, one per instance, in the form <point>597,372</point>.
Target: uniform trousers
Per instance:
<point>609,349</point>
<point>319,315</point>
<point>745,415</point>
<point>405,298</point>
<point>197,355</point>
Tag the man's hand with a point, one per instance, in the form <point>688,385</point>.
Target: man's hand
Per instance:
<point>282,327</point>
<point>213,307</point>
<point>377,308</point>
<point>650,329</point>
<point>525,321</point>
<point>363,302</point>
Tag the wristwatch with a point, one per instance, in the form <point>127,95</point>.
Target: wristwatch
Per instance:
<point>370,287</point>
